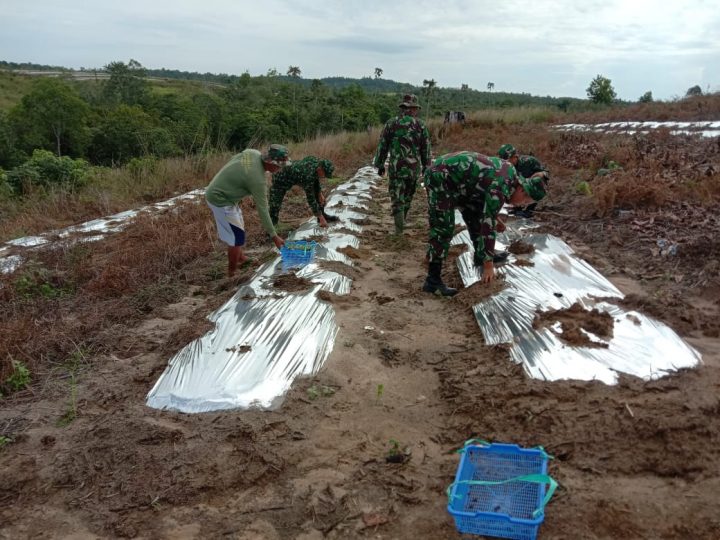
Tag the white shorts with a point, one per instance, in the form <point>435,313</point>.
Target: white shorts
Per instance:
<point>230,224</point>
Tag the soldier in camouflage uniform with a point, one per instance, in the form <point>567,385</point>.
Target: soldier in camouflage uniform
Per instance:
<point>478,186</point>
<point>527,166</point>
<point>407,140</point>
<point>305,173</point>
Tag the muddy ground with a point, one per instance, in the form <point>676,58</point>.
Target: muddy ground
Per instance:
<point>638,460</point>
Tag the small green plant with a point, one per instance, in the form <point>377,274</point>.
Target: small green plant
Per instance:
<point>397,454</point>
<point>72,365</point>
<point>583,188</point>
<point>319,390</point>
<point>4,441</point>
<point>379,392</point>
<point>19,378</point>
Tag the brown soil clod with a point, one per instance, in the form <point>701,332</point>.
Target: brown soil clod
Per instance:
<point>479,292</point>
<point>356,253</point>
<point>290,282</point>
<point>575,319</point>
<point>523,262</point>
<point>519,247</point>
<point>336,299</point>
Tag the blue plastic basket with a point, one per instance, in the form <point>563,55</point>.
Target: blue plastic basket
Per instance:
<point>297,253</point>
<point>499,490</point>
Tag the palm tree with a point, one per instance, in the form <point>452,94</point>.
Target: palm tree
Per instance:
<point>429,90</point>
<point>463,91</point>
<point>294,72</point>
<point>378,72</point>
<point>490,86</point>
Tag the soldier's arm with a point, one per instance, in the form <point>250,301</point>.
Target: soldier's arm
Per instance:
<point>382,149</point>
<point>494,200</point>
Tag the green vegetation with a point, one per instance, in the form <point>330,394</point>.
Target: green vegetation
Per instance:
<point>19,378</point>
<point>4,441</point>
<point>601,91</point>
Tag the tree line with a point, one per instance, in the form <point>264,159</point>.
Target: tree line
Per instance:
<point>125,116</point>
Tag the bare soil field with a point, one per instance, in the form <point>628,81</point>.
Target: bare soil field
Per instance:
<point>409,372</point>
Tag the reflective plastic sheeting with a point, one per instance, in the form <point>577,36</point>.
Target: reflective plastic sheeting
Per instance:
<point>105,225</point>
<point>640,346</point>
<point>264,337</point>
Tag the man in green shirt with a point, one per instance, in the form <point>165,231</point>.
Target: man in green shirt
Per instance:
<point>243,175</point>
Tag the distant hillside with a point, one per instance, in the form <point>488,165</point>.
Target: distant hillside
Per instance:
<point>442,97</point>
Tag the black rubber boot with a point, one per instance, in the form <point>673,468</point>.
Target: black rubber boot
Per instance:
<point>433,282</point>
<point>328,217</point>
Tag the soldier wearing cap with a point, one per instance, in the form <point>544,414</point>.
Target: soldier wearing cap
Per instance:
<point>527,166</point>
<point>478,186</point>
<point>407,141</point>
<point>243,175</point>
<point>305,173</point>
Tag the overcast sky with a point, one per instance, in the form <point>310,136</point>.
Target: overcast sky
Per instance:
<point>540,47</point>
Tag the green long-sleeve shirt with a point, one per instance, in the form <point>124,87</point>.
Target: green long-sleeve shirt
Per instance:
<point>243,175</point>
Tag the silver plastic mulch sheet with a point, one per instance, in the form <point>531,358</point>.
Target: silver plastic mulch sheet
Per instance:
<point>640,346</point>
<point>265,337</point>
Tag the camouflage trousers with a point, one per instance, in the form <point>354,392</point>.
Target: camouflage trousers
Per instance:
<point>441,216</point>
<point>278,191</point>
<point>402,190</point>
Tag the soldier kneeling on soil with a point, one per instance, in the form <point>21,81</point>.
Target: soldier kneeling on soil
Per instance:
<point>305,173</point>
<point>478,186</point>
<point>527,166</point>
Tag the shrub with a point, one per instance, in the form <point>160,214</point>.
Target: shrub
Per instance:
<point>45,169</point>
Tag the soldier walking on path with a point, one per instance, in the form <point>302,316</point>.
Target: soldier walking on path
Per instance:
<point>305,173</point>
<point>243,175</point>
<point>407,140</point>
<point>527,166</point>
<point>478,186</point>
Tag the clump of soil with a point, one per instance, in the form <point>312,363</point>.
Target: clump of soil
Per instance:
<point>577,318</point>
<point>523,262</point>
<point>356,253</point>
<point>519,247</point>
<point>339,268</point>
<point>290,282</point>
<point>459,229</point>
<point>479,292</point>
<point>336,299</point>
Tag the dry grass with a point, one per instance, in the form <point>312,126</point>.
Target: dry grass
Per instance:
<point>688,109</point>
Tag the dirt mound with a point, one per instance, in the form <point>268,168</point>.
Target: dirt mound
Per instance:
<point>337,299</point>
<point>290,282</point>
<point>479,292</point>
<point>518,247</point>
<point>523,262</point>
<point>340,268</point>
<point>356,253</point>
<point>575,319</point>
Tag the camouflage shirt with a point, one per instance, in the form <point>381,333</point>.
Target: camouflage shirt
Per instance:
<point>301,173</point>
<point>529,165</point>
<point>407,140</point>
<point>475,182</point>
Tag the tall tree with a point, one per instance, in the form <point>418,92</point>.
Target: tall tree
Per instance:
<point>463,91</point>
<point>52,115</point>
<point>294,72</point>
<point>378,72</point>
<point>601,90</point>
<point>490,86</point>
<point>127,83</point>
<point>647,97</point>
<point>429,89</point>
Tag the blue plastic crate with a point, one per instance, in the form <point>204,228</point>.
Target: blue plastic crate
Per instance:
<point>296,253</point>
<point>499,490</point>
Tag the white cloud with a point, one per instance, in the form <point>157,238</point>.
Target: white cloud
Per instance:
<point>542,47</point>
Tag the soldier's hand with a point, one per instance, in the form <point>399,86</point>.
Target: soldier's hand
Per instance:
<point>488,272</point>
<point>322,221</point>
<point>500,225</point>
<point>381,170</point>
<point>321,199</point>
<point>278,241</point>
